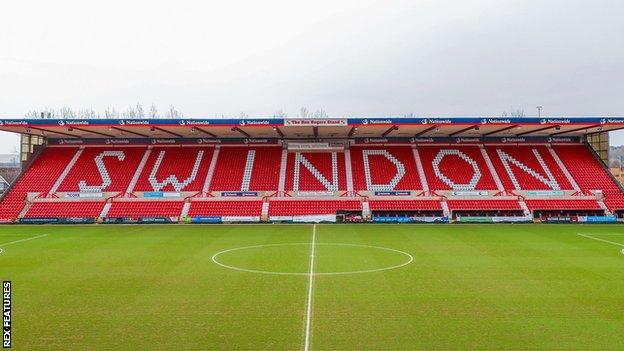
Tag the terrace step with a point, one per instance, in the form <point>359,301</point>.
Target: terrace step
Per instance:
<point>366,212</point>
<point>524,207</point>
<point>604,207</point>
<point>348,171</point>
<point>282,175</point>
<point>488,161</point>
<point>105,209</point>
<point>445,209</point>
<point>564,169</point>
<point>25,209</point>
<point>66,171</point>
<point>139,170</point>
<point>211,170</point>
<point>421,170</point>
<point>264,216</point>
<point>185,209</point>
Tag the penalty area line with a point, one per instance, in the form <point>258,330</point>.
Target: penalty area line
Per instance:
<point>603,240</point>
<point>308,324</point>
<point>20,240</point>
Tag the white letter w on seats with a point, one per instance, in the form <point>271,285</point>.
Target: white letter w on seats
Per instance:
<point>172,178</point>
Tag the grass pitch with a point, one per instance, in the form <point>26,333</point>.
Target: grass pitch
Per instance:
<point>466,286</point>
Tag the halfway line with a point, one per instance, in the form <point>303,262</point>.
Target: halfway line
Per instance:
<point>308,334</point>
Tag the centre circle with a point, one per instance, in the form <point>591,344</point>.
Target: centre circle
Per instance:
<point>329,259</point>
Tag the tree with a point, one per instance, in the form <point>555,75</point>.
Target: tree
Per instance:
<point>320,113</point>
<point>279,114</point>
<point>153,112</point>
<point>134,111</point>
<point>32,114</point>
<point>139,110</point>
<point>110,112</point>
<point>513,112</point>
<point>303,112</point>
<point>87,113</point>
<point>174,112</point>
<point>45,113</point>
<point>66,113</point>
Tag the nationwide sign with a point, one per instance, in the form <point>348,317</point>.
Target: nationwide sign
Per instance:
<point>431,121</point>
<point>157,141</point>
<point>265,122</point>
<point>495,121</point>
<point>70,122</point>
<point>158,122</point>
<point>376,121</point>
<point>555,121</point>
<point>143,122</point>
<point>309,146</point>
<point>611,121</point>
<point>68,141</point>
<point>10,123</point>
<point>468,140</point>
<point>191,122</point>
<point>475,140</point>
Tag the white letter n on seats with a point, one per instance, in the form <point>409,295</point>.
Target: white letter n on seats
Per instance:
<point>301,160</point>
<point>549,180</point>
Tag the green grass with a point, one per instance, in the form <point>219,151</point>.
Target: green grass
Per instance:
<point>469,287</point>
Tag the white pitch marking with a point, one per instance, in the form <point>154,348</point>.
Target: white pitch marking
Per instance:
<point>308,327</point>
<point>409,260</point>
<point>603,240</point>
<point>21,240</point>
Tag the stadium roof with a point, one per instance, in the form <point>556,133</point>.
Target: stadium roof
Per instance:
<point>373,127</point>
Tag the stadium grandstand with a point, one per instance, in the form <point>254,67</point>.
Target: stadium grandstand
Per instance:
<point>313,170</point>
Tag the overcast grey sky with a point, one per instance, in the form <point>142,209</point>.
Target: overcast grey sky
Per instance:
<point>355,58</point>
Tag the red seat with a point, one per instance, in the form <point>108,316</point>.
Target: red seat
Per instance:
<point>65,209</point>
<point>590,174</point>
<point>404,205</point>
<point>375,168</point>
<point>39,177</point>
<point>310,207</point>
<point>225,208</point>
<point>562,205</point>
<point>134,209</point>
<point>485,205</point>
<point>230,170</point>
